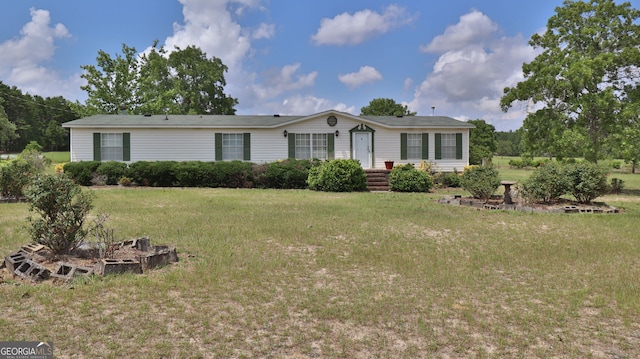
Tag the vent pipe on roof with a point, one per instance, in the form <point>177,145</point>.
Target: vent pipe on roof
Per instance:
<point>433,110</point>
<point>123,110</point>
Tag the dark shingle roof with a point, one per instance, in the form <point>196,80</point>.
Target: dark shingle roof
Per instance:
<point>253,121</point>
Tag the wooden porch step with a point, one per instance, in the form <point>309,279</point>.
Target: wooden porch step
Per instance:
<point>377,179</point>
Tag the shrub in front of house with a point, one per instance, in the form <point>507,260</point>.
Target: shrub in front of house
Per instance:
<point>232,174</point>
<point>286,174</point>
<point>194,174</point>
<point>338,176</point>
<point>112,170</point>
<point>406,178</point>
<point>447,179</point>
<point>481,181</point>
<point>546,184</point>
<point>14,177</point>
<point>81,172</point>
<point>587,181</point>
<point>154,174</point>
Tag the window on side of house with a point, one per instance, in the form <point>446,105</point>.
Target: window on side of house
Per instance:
<point>232,146</point>
<point>111,147</point>
<point>448,146</point>
<point>311,145</point>
<point>414,146</point>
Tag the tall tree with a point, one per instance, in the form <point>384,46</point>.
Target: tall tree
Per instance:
<point>7,129</point>
<point>590,52</point>
<point>183,81</point>
<point>482,142</point>
<point>112,85</point>
<point>385,107</point>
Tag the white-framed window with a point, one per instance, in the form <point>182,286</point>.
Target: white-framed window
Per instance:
<point>311,145</point>
<point>232,146</point>
<point>448,146</point>
<point>414,146</point>
<point>111,147</point>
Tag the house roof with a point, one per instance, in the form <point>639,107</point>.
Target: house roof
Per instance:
<point>255,121</point>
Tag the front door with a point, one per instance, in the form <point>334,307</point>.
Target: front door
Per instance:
<point>362,148</point>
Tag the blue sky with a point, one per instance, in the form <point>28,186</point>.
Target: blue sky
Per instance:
<point>294,57</point>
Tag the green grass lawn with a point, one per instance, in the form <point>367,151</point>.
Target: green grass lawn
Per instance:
<point>302,274</point>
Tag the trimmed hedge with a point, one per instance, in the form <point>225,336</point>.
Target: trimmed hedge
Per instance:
<point>338,176</point>
<point>407,178</point>
<point>81,172</point>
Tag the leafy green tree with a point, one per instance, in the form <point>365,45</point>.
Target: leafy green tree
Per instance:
<point>112,85</point>
<point>482,142</point>
<point>588,63</point>
<point>7,129</point>
<point>184,81</point>
<point>385,107</point>
<point>508,143</point>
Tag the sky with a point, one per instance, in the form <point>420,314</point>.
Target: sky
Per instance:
<point>449,58</point>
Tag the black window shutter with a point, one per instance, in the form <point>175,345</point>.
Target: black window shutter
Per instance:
<point>126,146</point>
<point>97,156</point>
<point>438,146</point>
<point>458,146</point>
<point>403,146</point>
<point>218,146</point>
<point>425,146</point>
<point>246,146</point>
<point>292,145</point>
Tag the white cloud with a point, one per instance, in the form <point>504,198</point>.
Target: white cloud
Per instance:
<point>22,59</point>
<point>475,64</point>
<point>264,31</point>
<point>348,29</point>
<point>209,25</point>
<point>366,74</point>
<point>277,81</point>
<point>472,28</point>
<point>304,105</point>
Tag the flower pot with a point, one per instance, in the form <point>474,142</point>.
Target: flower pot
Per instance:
<point>388,165</point>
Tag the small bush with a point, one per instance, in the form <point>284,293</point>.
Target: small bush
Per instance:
<point>232,174</point>
<point>62,207</point>
<point>481,181</point>
<point>617,185</point>
<point>125,181</point>
<point>406,178</point>
<point>14,177</point>
<point>546,184</point>
<point>338,176</point>
<point>195,174</point>
<point>587,181</point>
<point>448,179</point>
<point>81,172</point>
<point>113,170</point>
<point>287,174</point>
<point>155,174</point>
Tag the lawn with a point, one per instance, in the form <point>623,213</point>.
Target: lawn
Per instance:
<point>302,274</point>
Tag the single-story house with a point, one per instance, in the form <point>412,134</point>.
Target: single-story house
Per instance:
<point>260,139</point>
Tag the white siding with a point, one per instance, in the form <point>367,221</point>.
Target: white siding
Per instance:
<point>267,145</point>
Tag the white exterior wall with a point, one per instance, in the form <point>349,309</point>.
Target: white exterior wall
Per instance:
<point>387,147</point>
<point>267,145</point>
<point>151,144</point>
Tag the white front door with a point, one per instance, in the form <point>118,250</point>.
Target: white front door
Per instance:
<point>362,148</point>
